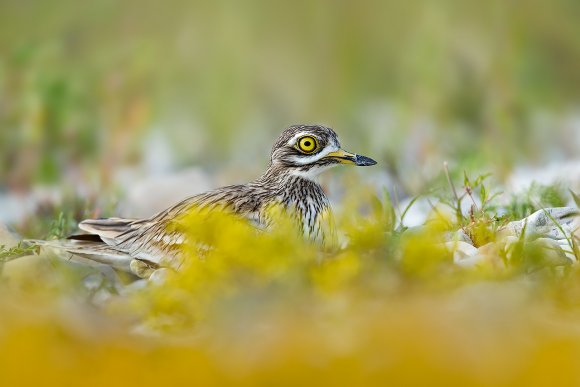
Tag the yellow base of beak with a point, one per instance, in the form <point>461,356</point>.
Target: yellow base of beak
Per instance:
<point>345,157</point>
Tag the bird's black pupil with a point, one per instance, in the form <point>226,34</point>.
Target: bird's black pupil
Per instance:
<point>307,143</point>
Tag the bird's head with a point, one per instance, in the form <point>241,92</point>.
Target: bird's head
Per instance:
<point>307,150</point>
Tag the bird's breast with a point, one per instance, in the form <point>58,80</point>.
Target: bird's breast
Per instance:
<point>308,204</point>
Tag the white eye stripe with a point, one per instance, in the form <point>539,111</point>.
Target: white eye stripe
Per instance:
<point>303,160</point>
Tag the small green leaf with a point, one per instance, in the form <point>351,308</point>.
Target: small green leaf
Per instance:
<point>483,194</point>
<point>481,178</point>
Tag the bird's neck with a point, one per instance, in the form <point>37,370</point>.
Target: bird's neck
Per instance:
<point>279,177</point>
<point>292,189</point>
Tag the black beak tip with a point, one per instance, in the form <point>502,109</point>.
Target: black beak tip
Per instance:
<point>363,161</point>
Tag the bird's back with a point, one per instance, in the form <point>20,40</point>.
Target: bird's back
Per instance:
<point>155,242</point>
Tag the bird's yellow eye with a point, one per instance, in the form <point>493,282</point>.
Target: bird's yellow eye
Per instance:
<point>307,144</point>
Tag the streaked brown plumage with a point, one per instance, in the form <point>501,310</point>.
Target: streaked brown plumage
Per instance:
<point>298,156</point>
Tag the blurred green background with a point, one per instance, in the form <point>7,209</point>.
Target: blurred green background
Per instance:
<point>113,107</point>
<point>89,88</point>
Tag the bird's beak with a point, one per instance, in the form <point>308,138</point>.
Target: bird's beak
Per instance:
<point>345,157</point>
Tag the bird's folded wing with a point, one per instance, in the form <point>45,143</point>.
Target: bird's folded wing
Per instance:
<point>94,251</point>
<point>107,229</point>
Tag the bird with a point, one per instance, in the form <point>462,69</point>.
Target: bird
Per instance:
<point>299,155</point>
